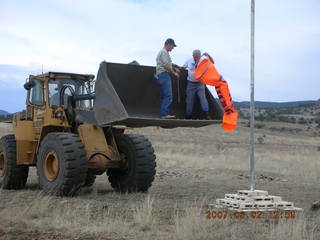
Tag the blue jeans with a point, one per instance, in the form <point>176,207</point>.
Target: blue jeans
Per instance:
<point>164,80</point>
<point>193,89</point>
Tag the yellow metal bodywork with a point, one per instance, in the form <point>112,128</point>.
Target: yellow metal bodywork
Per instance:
<point>102,152</point>
<point>25,140</point>
<point>93,138</point>
<point>96,146</point>
<point>29,133</point>
<point>51,166</point>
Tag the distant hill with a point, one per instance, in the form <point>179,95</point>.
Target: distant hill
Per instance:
<point>260,104</point>
<point>2,112</point>
<point>299,112</point>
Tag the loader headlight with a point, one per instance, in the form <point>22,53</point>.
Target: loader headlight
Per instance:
<point>58,114</point>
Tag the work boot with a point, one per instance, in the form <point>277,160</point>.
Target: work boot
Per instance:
<point>206,116</point>
<point>168,117</point>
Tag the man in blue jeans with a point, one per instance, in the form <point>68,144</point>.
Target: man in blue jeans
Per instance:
<point>163,69</point>
<point>194,87</point>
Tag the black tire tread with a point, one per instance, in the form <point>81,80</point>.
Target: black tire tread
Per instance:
<point>75,160</point>
<point>144,168</point>
<point>15,175</point>
<point>90,179</point>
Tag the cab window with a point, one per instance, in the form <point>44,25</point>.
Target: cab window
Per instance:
<point>36,93</point>
<point>55,87</point>
<point>54,92</point>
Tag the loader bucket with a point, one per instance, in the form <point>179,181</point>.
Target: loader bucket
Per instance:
<point>127,94</point>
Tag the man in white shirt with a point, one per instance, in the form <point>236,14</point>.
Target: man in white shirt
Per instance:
<point>194,87</point>
<point>163,69</point>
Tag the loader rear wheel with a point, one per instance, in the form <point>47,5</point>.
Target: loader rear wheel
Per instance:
<point>12,176</point>
<point>139,169</point>
<point>61,164</point>
<point>90,179</point>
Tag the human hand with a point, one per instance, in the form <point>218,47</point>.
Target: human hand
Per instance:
<point>176,74</point>
<point>175,65</point>
<point>177,70</point>
<point>209,57</point>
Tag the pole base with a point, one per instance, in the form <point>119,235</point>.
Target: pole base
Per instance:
<point>254,200</point>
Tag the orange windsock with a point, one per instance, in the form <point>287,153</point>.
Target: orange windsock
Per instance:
<point>229,122</point>
<point>207,73</point>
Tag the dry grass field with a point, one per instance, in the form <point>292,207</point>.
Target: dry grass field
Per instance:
<point>194,167</point>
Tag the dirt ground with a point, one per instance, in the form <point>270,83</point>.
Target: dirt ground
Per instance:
<point>194,167</point>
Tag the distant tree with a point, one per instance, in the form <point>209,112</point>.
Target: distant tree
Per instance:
<point>270,116</point>
<point>302,120</point>
<point>293,120</point>
<point>259,125</point>
<point>243,115</point>
<point>317,121</point>
<point>284,119</point>
<point>260,117</point>
<point>4,118</point>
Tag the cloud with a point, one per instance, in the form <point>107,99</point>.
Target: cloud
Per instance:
<point>14,76</point>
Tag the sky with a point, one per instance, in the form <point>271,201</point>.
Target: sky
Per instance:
<point>75,36</point>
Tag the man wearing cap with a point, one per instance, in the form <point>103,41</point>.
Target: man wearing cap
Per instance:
<point>163,78</point>
<point>194,87</point>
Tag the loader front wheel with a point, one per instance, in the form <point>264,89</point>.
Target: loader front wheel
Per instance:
<point>61,164</point>
<point>12,176</point>
<point>139,168</point>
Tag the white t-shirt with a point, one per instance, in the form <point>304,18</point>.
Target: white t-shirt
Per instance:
<point>190,65</point>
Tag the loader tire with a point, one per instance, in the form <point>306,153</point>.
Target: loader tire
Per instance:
<point>12,176</point>
<point>61,164</point>
<point>90,179</point>
<point>139,168</point>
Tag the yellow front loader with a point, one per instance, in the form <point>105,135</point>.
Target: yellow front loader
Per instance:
<point>73,129</point>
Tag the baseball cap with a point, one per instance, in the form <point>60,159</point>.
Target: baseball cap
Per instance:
<point>170,41</point>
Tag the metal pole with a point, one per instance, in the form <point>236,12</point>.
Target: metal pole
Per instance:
<point>178,86</point>
<point>252,159</point>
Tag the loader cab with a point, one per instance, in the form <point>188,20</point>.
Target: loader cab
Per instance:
<point>53,89</point>
<point>59,90</point>
<point>47,110</point>
<point>49,98</point>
